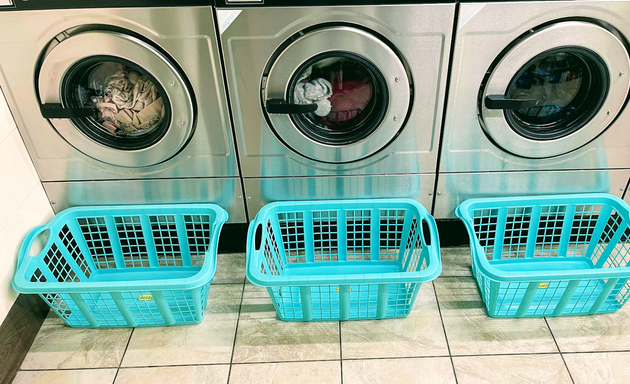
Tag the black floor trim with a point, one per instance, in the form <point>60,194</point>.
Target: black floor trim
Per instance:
<point>17,333</point>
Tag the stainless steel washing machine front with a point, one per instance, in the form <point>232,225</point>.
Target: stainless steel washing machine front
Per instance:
<point>261,191</point>
<point>225,192</point>
<point>117,93</point>
<point>341,90</point>
<point>455,188</point>
<point>539,86</point>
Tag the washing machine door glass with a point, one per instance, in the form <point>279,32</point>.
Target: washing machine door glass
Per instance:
<point>116,98</point>
<point>128,105</point>
<point>556,90</point>
<point>349,93</point>
<point>568,85</point>
<point>336,94</point>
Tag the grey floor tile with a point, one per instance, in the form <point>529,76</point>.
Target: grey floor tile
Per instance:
<point>52,319</point>
<point>230,268</point>
<point>91,376</point>
<point>455,261</point>
<point>599,368</point>
<point>547,369</point>
<point>403,371</point>
<point>199,374</point>
<point>420,334</point>
<point>59,346</point>
<point>262,337</point>
<point>471,331</point>
<point>606,332</point>
<point>317,372</point>
<point>209,342</point>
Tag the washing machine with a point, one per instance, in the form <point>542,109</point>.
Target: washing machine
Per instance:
<point>336,101</point>
<point>537,101</point>
<point>121,102</point>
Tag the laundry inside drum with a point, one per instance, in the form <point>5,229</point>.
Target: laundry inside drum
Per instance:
<point>569,86</point>
<point>350,95</point>
<point>130,109</point>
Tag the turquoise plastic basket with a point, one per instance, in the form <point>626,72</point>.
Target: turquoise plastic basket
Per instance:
<point>550,255</point>
<point>124,266</point>
<point>343,260</point>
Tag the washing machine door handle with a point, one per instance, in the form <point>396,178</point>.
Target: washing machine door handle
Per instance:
<point>502,102</point>
<point>280,106</point>
<point>57,111</point>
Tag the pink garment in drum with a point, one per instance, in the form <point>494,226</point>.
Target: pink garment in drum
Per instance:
<point>348,100</point>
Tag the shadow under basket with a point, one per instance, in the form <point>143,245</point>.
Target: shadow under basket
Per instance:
<point>343,260</point>
<point>124,266</point>
<point>550,255</point>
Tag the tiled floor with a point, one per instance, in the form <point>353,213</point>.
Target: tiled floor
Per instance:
<point>448,338</point>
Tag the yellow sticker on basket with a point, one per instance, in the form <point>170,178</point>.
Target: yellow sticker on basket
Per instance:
<point>337,289</point>
<point>145,297</point>
<point>543,285</point>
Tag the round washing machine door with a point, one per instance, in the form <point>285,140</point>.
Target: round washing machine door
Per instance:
<point>116,98</point>
<point>555,90</point>
<point>336,94</point>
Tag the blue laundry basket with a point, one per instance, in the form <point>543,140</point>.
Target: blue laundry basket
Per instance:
<point>550,255</point>
<point>124,266</point>
<point>343,260</point>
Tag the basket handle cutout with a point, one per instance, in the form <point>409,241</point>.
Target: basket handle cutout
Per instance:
<point>426,232</point>
<point>258,238</point>
<point>29,247</point>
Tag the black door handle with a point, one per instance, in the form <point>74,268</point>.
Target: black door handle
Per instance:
<point>502,102</point>
<point>281,106</point>
<point>57,111</point>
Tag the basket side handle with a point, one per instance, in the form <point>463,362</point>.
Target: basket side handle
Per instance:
<point>28,242</point>
<point>433,232</point>
<point>258,237</point>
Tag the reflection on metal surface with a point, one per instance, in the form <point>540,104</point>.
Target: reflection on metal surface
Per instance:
<point>481,38</point>
<point>224,192</point>
<point>455,188</point>
<point>267,190</point>
<point>226,17</point>
<point>249,44</point>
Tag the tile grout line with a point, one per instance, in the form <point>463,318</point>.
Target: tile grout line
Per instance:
<point>124,353</point>
<point>602,351</point>
<point>65,369</point>
<point>324,360</point>
<point>559,350</point>
<point>340,354</point>
<point>238,319</point>
<point>448,346</point>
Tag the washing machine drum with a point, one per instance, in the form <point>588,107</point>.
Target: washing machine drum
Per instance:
<point>555,90</point>
<point>336,94</point>
<point>116,98</point>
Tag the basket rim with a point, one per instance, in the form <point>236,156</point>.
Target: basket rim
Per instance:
<point>257,278</point>
<point>478,256</point>
<point>202,277</point>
